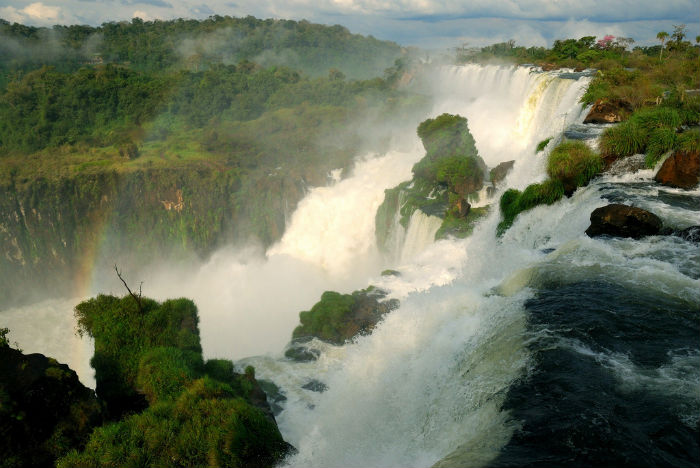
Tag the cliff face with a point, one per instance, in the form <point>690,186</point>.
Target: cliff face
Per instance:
<point>53,231</point>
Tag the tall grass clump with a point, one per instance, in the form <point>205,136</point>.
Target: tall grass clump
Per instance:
<point>574,164</point>
<point>623,140</point>
<point>688,141</point>
<point>661,140</point>
<point>656,117</point>
<point>542,145</point>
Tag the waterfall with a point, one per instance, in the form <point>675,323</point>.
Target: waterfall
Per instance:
<point>448,377</point>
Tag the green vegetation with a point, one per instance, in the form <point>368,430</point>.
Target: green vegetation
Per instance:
<point>337,317</point>
<point>514,202</point>
<point>169,407</point>
<point>650,130</point>
<point>460,227</point>
<point>542,145</point>
<point>573,163</point>
<point>448,175</point>
<point>570,165</point>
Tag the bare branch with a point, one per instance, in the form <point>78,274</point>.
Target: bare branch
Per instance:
<point>137,298</point>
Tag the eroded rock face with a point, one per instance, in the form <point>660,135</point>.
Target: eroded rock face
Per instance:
<point>680,170</point>
<point>607,111</point>
<point>499,172</point>
<point>44,409</point>
<point>623,221</point>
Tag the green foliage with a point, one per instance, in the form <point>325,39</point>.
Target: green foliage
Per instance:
<point>574,164</point>
<point>445,136</point>
<point>689,141</point>
<point>661,140</point>
<point>656,117</point>
<point>164,372</point>
<point>4,342</point>
<point>543,144</point>
<point>458,227</point>
<point>337,317</point>
<point>207,425</point>
<point>514,202</point>
<point>326,317</point>
<point>624,139</point>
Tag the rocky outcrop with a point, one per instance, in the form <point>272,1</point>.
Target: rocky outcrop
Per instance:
<point>608,111</point>
<point>623,221</point>
<point>499,172</point>
<point>44,409</point>
<point>337,318</point>
<point>681,170</point>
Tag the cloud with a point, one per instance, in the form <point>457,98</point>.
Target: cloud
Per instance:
<point>427,23</point>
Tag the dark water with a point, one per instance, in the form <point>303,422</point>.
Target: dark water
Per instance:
<point>612,382</point>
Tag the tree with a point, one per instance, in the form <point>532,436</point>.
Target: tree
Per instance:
<point>662,36</point>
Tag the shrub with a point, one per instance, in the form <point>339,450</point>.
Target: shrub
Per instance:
<point>514,202</point>
<point>164,372</point>
<point>661,140</point>
<point>543,144</point>
<point>624,139</point>
<point>574,164</point>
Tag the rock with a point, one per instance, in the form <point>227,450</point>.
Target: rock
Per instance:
<point>44,409</point>
<point>462,208</point>
<point>499,172</point>
<point>607,111</point>
<point>681,170</point>
<point>691,234</point>
<point>301,353</point>
<point>623,221</point>
<point>315,386</point>
<point>627,165</point>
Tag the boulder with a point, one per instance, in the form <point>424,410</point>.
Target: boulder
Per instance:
<point>681,170</point>
<point>44,409</point>
<point>608,111</point>
<point>623,221</point>
<point>499,172</point>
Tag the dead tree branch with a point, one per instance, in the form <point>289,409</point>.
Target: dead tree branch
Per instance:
<point>137,298</point>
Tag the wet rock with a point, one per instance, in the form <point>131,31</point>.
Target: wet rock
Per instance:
<point>44,409</point>
<point>681,170</point>
<point>462,208</point>
<point>623,221</point>
<point>300,352</point>
<point>315,386</point>
<point>608,111</point>
<point>275,396</point>
<point>499,172</point>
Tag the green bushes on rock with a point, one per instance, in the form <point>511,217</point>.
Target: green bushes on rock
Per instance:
<point>573,163</point>
<point>660,141</point>
<point>461,227</point>
<point>169,407</point>
<point>514,202</point>
<point>337,317</point>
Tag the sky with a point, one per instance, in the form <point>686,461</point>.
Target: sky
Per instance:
<point>429,24</point>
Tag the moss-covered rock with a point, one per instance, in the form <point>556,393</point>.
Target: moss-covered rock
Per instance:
<point>44,409</point>
<point>170,407</point>
<point>450,173</point>
<point>338,317</point>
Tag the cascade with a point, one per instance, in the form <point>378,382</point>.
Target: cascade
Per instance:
<point>447,378</point>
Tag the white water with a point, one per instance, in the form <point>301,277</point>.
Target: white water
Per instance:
<point>429,382</point>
